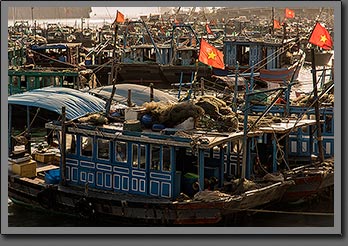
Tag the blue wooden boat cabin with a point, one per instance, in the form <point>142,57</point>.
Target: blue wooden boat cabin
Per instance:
<point>145,163</point>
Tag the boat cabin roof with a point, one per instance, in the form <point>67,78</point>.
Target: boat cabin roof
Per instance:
<point>50,98</point>
<point>168,136</point>
<point>285,127</point>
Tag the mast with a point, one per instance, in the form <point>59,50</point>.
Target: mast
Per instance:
<point>114,70</point>
<point>246,160</point>
<point>316,108</point>
<point>32,15</point>
<point>272,22</point>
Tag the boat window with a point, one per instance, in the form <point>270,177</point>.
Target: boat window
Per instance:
<point>142,156</point>
<point>328,124</point>
<point>103,149</point>
<point>70,144</point>
<point>166,158</point>
<point>121,152</point>
<point>135,159</point>
<point>155,157</point>
<point>139,155</point>
<point>86,146</point>
<point>243,54</point>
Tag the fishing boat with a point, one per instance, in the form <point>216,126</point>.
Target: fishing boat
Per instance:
<point>54,55</point>
<point>296,152</point>
<point>310,176</point>
<point>270,59</point>
<point>123,171</point>
<point>143,60</point>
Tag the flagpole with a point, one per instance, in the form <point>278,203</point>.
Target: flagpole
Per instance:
<point>316,108</point>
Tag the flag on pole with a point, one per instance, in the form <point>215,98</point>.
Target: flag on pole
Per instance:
<point>289,13</point>
<point>207,27</point>
<point>210,55</point>
<point>119,17</point>
<point>276,24</point>
<point>321,37</point>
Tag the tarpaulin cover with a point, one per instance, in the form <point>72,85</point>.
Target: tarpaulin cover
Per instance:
<point>55,46</point>
<point>44,47</point>
<point>140,94</point>
<point>77,103</point>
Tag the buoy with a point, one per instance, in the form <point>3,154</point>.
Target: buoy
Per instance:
<point>147,121</point>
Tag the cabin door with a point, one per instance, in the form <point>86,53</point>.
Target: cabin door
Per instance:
<point>138,169</point>
<point>161,178</point>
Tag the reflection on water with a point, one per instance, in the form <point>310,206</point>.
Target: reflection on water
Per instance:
<point>20,216</point>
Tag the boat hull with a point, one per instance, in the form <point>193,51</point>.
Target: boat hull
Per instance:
<point>160,75</point>
<point>308,186</point>
<point>103,205</point>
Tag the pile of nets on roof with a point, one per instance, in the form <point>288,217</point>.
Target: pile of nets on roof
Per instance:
<point>208,112</point>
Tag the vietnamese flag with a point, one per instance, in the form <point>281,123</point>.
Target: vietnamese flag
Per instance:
<point>289,13</point>
<point>321,37</point>
<point>276,24</point>
<point>119,17</point>
<point>207,27</point>
<point>210,55</point>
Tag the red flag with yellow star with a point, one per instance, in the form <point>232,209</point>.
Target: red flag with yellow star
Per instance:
<point>210,55</point>
<point>289,13</point>
<point>276,24</point>
<point>321,37</point>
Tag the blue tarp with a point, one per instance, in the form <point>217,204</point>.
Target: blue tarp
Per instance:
<point>55,46</point>
<point>49,46</point>
<point>77,103</point>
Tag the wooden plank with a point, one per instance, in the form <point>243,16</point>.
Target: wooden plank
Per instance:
<point>46,168</point>
<point>33,181</point>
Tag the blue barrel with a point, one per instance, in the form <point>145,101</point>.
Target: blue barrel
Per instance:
<point>52,176</point>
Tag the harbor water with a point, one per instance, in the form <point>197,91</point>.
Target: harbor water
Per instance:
<point>316,213</point>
